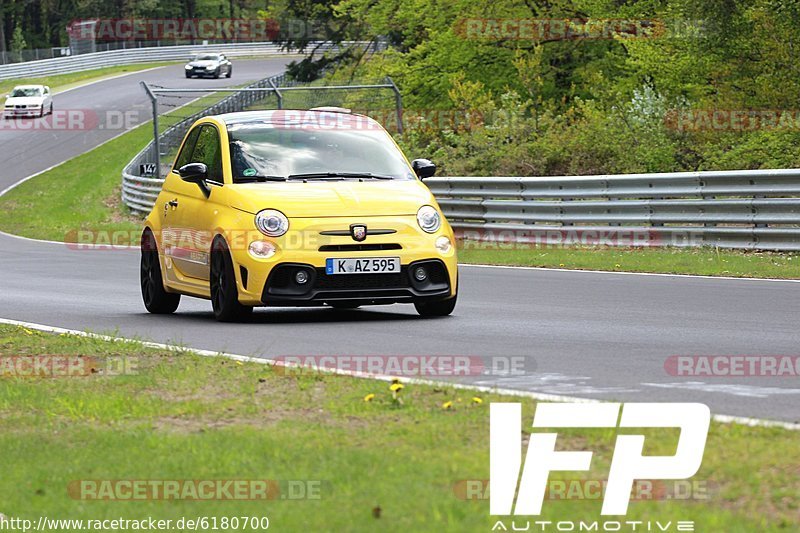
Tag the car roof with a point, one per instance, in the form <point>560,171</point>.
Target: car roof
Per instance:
<point>29,87</point>
<point>293,116</point>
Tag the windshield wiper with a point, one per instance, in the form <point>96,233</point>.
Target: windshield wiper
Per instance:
<point>339,175</point>
<point>253,179</point>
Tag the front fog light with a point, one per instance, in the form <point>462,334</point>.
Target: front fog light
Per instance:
<point>301,277</point>
<point>262,249</point>
<point>443,244</point>
<point>420,274</point>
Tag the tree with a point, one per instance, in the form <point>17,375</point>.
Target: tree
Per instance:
<point>18,43</point>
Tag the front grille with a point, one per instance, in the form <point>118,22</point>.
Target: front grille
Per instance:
<point>282,286</point>
<point>361,281</point>
<point>359,247</point>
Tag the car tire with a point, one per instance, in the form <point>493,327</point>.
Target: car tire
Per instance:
<point>230,72</point>
<point>216,74</point>
<point>434,309</point>
<point>188,75</point>
<point>222,284</point>
<point>51,108</point>
<point>156,299</point>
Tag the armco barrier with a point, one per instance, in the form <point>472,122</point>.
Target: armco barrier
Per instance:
<point>748,209</point>
<point>752,209</point>
<point>77,63</point>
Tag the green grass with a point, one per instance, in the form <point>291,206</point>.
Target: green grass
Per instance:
<point>184,417</point>
<point>64,81</point>
<point>700,261</point>
<point>81,194</point>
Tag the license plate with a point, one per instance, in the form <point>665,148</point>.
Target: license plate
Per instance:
<point>364,265</point>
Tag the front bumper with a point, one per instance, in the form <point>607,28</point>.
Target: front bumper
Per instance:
<point>281,288</point>
<point>200,72</point>
<point>21,113</point>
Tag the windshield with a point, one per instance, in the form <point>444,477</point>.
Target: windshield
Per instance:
<point>263,149</point>
<point>21,92</point>
<point>206,57</point>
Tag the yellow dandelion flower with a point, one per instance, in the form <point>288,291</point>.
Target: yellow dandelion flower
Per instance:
<point>369,397</point>
<point>27,331</point>
<point>396,387</point>
<point>447,405</point>
<point>239,363</point>
<point>561,265</point>
<point>477,399</point>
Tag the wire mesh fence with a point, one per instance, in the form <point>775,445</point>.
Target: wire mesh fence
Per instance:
<point>175,110</point>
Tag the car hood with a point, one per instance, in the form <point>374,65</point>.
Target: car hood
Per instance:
<point>203,63</point>
<point>25,100</point>
<point>316,199</point>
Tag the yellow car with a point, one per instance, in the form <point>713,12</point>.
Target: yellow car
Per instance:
<point>296,208</point>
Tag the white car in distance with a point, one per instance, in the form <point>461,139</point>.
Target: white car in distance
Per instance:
<point>28,101</point>
<point>209,65</point>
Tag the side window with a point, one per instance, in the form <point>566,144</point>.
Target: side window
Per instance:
<point>207,150</point>
<point>186,154</point>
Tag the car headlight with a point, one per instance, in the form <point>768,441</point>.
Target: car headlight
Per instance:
<point>188,67</point>
<point>210,67</point>
<point>272,223</point>
<point>428,219</point>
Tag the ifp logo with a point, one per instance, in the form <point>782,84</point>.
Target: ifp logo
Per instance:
<point>628,464</point>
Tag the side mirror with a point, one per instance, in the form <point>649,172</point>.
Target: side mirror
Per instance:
<point>195,173</point>
<point>424,168</point>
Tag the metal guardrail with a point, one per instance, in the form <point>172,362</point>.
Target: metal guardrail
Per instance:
<point>751,209</point>
<point>77,63</point>
<point>758,209</point>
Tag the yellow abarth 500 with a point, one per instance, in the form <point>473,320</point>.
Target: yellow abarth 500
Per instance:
<point>296,208</point>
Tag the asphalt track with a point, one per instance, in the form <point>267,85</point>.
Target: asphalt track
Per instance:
<point>583,334</point>
<point>102,109</point>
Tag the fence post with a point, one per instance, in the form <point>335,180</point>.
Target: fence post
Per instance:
<point>398,102</point>
<point>156,144</point>
<point>277,93</point>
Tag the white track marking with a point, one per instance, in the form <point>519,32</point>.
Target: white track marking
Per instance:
<point>660,274</point>
<point>117,76</point>
<point>723,419</point>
